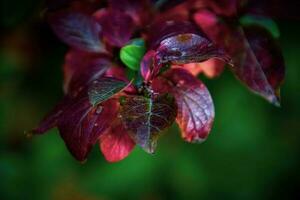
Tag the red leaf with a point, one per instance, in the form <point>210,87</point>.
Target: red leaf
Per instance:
<point>115,143</point>
<point>74,5</point>
<point>165,29</point>
<point>179,49</point>
<point>188,48</point>
<point>248,68</point>
<point>268,55</point>
<point>78,30</point>
<point>195,113</point>
<point>81,125</point>
<point>80,68</point>
<point>149,65</point>
<point>282,9</point>
<point>251,57</point>
<point>140,11</point>
<point>117,27</point>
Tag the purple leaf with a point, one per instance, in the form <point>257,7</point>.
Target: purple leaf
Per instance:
<point>188,48</point>
<point>253,58</point>
<point>167,29</point>
<point>249,68</point>
<point>137,9</point>
<point>268,55</point>
<point>195,113</point>
<point>150,65</point>
<point>117,27</point>
<point>78,30</point>
<point>81,125</point>
<point>282,9</point>
<point>81,68</point>
<point>145,118</point>
<point>179,49</point>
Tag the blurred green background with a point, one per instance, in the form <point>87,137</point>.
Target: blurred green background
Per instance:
<point>252,152</point>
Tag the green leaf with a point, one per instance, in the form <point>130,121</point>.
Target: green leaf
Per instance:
<point>132,54</point>
<point>104,88</point>
<point>145,118</point>
<point>262,21</point>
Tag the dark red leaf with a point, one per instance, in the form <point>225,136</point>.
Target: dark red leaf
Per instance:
<point>248,68</point>
<point>212,26</point>
<point>116,72</point>
<point>268,55</point>
<point>84,6</point>
<point>115,143</point>
<point>195,114</point>
<point>80,68</point>
<point>282,9</point>
<point>140,11</point>
<point>81,125</point>
<point>117,27</point>
<point>145,118</point>
<point>150,65</point>
<point>177,12</point>
<point>78,30</point>
<point>166,29</point>
<point>249,61</point>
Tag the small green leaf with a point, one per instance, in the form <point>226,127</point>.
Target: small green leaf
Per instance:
<point>103,88</point>
<point>262,21</point>
<point>132,54</point>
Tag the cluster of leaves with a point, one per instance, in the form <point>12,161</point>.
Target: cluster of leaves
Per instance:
<point>132,68</point>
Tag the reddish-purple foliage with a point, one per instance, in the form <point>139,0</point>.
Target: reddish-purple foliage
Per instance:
<point>182,39</point>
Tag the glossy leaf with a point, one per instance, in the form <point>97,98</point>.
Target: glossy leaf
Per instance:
<point>195,113</point>
<point>145,118</point>
<point>188,48</point>
<point>166,29</point>
<point>78,30</point>
<point>104,88</point>
<point>150,65</point>
<point>132,54</point>
<point>115,143</point>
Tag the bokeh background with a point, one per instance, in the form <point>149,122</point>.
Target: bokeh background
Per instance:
<point>253,151</point>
